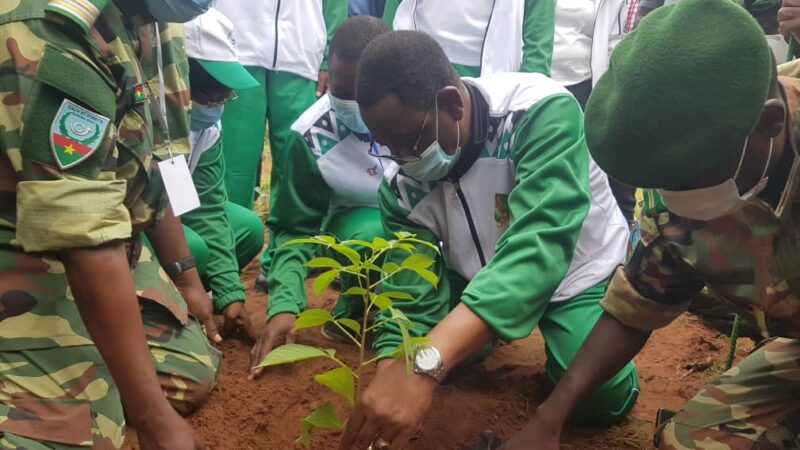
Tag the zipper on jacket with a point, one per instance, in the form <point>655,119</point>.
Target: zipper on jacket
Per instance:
<point>486,35</point>
<point>473,231</point>
<point>275,53</point>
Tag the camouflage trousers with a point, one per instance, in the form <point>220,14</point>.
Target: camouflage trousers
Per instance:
<point>55,390</point>
<point>753,406</point>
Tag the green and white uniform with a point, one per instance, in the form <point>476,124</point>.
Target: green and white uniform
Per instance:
<point>530,232</point>
<point>283,44</point>
<point>482,37</point>
<point>331,182</point>
<point>223,236</point>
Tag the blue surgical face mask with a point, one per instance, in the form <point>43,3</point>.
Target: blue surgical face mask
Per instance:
<point>203,116</point>
<point>434,163</point>
<point>178,11</point>
<point>347,112</point>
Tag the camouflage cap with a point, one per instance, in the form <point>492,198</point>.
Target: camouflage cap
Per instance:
<point>681,94</point>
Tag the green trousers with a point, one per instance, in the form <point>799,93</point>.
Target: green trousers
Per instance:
<point>564,326</point>
<point>279,101</point>
<point>247,231</point>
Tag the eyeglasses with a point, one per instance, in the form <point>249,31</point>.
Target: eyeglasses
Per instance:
<point>215,100</point>
<point>401,159</point>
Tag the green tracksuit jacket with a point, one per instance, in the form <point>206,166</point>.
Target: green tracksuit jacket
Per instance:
<point>532,221</point>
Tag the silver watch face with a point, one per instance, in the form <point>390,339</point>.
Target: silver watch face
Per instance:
<point>427,360</point>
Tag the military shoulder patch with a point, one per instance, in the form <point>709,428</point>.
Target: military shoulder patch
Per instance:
<point>75,134</point>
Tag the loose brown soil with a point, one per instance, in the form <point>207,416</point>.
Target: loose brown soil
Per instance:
<point>246,415</point>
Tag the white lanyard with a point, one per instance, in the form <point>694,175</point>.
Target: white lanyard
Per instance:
<point>174,171</point>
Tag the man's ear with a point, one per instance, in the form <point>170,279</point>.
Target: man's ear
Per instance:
<point>451,101</point>
<point>773,118</point>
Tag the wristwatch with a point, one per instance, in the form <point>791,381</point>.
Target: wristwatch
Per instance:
<point>428,361</point>
<point>178,267</point>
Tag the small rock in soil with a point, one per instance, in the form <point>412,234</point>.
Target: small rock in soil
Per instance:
<point>488,441</point>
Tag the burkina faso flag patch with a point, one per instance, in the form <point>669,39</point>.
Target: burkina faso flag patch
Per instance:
<point>76,133</point>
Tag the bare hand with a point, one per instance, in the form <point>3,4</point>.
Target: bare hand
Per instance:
<point>279,328</point>
<point>200,306</point>
<point>539,434</point>
<point>167,431</point>
<point>390,409</point>
<point>237,318</point>
<point>322,83</point>
<point>789,18</point>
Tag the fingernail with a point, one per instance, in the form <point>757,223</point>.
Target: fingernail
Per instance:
<point>217,338</point>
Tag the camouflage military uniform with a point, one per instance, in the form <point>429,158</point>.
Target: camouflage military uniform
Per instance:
<point>55,390</point>
<point>750,261</point>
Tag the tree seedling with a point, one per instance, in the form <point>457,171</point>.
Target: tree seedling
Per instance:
<point>364,265</point>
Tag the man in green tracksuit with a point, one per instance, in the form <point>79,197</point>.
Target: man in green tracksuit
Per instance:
<point>482,37</point>
<point>284,46</point>
<point>331,182</point>
<point>496,171</point>
<point>222,236</point>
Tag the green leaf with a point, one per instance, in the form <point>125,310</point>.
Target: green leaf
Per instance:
<point>398,295</point>
<point>290,353</point>
<point>327,239</point>
<point>379,243</point>
<point>355,290</point>
<point>425,243</point>
<point>322,417</point>
<point>357,243</point>
<point>417,261</point>
<point>371,266</point>
<point>341,381</point>
<point>409,248</point>
<point>400,317</point>
<point>324,261</point>
<point>303,241</point>
<point>324,280</point>
<point>404,235</point>
<point>312,318</point>
<point>390,267</point>
<point>305,434</point>
<point>428,276</point>
<point>408,346</point>
<point>399,351</point>
<point>347,252</point>
<point>351,324</point>
<point>383,302</point>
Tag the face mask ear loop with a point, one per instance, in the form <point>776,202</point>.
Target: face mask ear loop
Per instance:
<point>436,114</point>
<point>741,159</point>
<point>769,158</point>
<point>458,136</point>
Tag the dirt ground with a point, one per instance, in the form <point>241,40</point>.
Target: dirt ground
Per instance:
<point>245,415</point>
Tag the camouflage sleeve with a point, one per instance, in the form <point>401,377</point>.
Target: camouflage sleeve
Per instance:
<point>56,130</point>
<point>655,286</point>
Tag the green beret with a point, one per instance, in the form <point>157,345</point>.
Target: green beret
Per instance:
<point>682,93</point>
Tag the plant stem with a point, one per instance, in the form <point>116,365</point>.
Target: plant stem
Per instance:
<point>355,341</point>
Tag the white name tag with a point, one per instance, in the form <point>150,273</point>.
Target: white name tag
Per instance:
<point>180,187</point>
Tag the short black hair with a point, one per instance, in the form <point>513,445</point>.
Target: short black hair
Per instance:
<point>408,64</point>
<point>354,35</point>
<point>202,84</point>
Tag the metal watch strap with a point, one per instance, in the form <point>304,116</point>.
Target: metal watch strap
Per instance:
<point>437,373</point>
<point>178,267</point>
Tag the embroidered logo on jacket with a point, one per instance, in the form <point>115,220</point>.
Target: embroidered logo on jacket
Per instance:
<point>75,134</point>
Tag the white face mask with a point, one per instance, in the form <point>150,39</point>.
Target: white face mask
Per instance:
<point>715,201</point>
<point>434,163</point>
